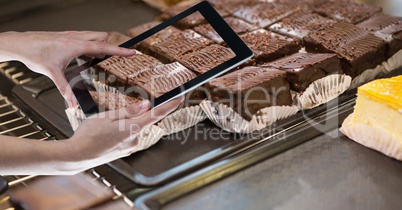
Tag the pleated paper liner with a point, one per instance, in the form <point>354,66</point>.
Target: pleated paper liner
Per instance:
<point>373,137</point>
<point>323,90</point>
<point>177,121</point>
<point>227,119</point>
<point>366,76</point>
<point>101,87</point>
<point>392,63</point>
<point>182,119</point>
<point>75,116</point>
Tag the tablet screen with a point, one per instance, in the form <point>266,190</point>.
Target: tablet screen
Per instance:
<point>173,58</point>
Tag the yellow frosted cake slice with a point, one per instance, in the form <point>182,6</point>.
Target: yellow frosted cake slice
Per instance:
<point>377,118</point>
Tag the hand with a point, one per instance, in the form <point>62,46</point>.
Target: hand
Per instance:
<point>49,53</point>
<point>109,136</point>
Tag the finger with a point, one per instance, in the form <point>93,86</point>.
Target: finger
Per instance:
<point>132,111</point>
<point>88,35</point>
<point>103,48</point>
<point>64,88</point>
<point>153,115</point>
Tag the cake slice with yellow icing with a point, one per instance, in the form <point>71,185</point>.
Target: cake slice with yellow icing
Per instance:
<point>377,118</point>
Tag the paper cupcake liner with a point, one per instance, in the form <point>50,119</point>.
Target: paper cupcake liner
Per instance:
<point>75,116</point>
<point>323,90</point>
<point>182,119</point>
<point>148,136</point>
<point>303,50</point>
<point>366,76</point>
<point>227,119</point>
<point>392,63</point>
<point>373,138</point>
<point>101,87</point>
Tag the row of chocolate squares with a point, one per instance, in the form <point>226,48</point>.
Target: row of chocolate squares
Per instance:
<point>264,13</point>
<point>261,86</point>
<point>358,50</point>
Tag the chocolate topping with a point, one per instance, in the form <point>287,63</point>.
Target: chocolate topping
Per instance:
<point>116,38</point>
<point>359,49</point>
<point>265,14</point>
<point>190,21</point>
<point>300,24</point>
<point>387,27</point>
<point>161,79</point>
<point>178,44</point>
<point>238,25</point>
<point>112,101</point>
<point>268,46</point>
<point>206,58</point>
<point>304,68</point>
<point>122,67</point>
<point>250,89</point>
<point>346,10</point>
<point>160,36</point>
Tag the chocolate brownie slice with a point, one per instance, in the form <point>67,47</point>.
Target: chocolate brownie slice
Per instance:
<point>388,28</point>
<point>300,24</point>
<point>358,49</point>
<point>206,58</point>
<point>250,89</point>
<point>304,68</point>
<point>239,26</point>
<point>346,10</point>
<point>177,44</point>
<point>268,46</point>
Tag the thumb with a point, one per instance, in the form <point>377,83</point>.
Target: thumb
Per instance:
<point>65,89</point>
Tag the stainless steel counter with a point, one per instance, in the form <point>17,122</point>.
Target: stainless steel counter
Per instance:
<point>324,173</point>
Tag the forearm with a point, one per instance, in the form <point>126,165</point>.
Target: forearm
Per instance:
<point>8,46</point>
<point>33,157</point>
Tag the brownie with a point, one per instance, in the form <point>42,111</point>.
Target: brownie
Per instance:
<point>118,68</point>
<point>346,10</point>
<point>239,26</point>
<point>250,89</point>
<point>265,14</point>
<point>358,49</point>
<point>298,25</point>
<point>116,38</point>
<point>190,21</point>
<point>304,68</point>
<point>388,28</point>
<point>177,44</point>
<point>231,5</point>
<point>158,37</point>
<point>206,58</point>
<point>160,79</point>
<point>112,101</point>
<point>268,46</point>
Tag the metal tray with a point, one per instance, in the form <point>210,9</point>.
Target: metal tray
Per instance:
<point>198,147</point>
<point>314,123</point>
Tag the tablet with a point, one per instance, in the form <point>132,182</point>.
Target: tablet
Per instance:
<point>171,60</point>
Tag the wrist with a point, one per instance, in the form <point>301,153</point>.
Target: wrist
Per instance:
<point>68,157</point>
